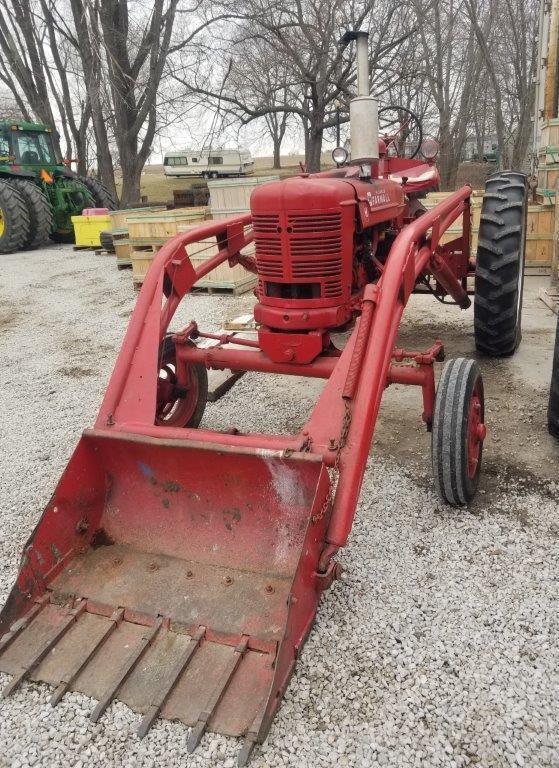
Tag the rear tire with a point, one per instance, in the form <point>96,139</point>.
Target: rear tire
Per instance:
<point>101,195</point>
<point>14,219</point>
<point>553,407</point>
<point>39,211</point>
<point>500,264</point>
<point>458,431</point>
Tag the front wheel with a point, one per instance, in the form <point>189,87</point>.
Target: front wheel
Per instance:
<point>179,404</point>
<point>458,431</point>
<point>76,198</point>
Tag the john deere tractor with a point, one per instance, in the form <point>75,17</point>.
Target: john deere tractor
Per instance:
<point>38,193</point>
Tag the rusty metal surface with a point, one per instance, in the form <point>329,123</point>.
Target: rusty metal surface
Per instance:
<point>196,589</point>
<point>229,601</point>
<point>152,669</point>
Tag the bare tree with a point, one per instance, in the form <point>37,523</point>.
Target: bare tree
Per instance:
<point>24,71</point>
<point>10,109</point>
<point>76,112</point>
<point>36,68</point>
<point>304,35</point>
<point>452,68</point>
<point>509,55</point>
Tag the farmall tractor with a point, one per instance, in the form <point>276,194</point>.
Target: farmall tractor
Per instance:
<point>179,569</point>
<point>39,194</point>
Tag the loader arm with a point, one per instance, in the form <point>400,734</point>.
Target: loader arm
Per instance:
<point>243,527</point>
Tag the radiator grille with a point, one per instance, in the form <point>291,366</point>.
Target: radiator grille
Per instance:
<point>316,268</point>
<point>301,248</point>
<point>315,222</point>
<point>265,222</point>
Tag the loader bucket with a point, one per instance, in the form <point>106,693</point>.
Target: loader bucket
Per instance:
<point>177,577</point>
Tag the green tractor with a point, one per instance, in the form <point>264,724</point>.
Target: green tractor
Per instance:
<point>38,193</point>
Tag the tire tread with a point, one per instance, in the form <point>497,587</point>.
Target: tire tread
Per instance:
<point>500,264</point>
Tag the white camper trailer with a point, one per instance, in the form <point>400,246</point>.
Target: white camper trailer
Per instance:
<point>208,163</point>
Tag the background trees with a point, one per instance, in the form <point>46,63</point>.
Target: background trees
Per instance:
<point>116,76</point>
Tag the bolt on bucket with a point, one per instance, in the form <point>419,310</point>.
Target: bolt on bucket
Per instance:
<point>183,592</point>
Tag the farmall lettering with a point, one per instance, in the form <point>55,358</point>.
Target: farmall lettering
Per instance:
<point>377,198</point>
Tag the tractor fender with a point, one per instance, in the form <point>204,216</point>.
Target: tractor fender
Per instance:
<point>9,173</point>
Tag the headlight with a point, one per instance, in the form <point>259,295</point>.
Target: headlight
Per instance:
<point>339,155</point>
<point>429,148</point>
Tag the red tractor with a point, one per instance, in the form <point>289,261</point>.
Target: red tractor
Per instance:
<point>203,554</point>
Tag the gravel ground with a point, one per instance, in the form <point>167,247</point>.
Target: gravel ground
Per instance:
<point>438,649</point>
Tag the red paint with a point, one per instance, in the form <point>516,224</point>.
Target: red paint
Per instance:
<point>327,257</point>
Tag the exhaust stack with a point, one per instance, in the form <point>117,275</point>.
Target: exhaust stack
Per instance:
<point>363,109</point>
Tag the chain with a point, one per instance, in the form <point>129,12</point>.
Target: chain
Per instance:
<point>346,423</point>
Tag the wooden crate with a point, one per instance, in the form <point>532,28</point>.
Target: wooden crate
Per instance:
<point>550,297</point>
<point>548,156</point>
<point>226,213</point>
<point>235,279</point>
<point>119,219</point>
<point>455,229</point>
<point>234,194</point>
<point>123,249</point>
<point>547,177</point>
<point>550,133</point>
<point>545,197</point>
<point>164,224</point>
<point>539,228</point>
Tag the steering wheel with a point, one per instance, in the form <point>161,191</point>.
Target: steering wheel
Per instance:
<point>401,131</point>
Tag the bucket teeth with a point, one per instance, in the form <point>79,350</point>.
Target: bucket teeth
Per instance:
<point>18,626</point>
<point>163,695</point>
<point>246,750</point>
<point>216,695</point>
<point>47,646</point>
<point>126,669</point>
<point>70,676</point>
<point>194,676</point>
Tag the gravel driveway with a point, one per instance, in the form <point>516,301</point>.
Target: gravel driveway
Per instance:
<point>440,648</point>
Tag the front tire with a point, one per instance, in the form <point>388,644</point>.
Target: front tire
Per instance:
<point>458,432</point>
<point>14,219</point>
<point>499,277</point>
<point>39,211</point>
<point>553,407</point>
<point>176,406</point>
<point>80,198</point>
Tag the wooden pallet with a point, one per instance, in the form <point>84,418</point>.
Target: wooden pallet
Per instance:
<point>145,245</point>
<point>241,323</point>
<point>234,288</point>
<point>550,297</point>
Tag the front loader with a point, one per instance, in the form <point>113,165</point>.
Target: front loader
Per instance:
<point>39,194</point>
<point>179,569</point>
